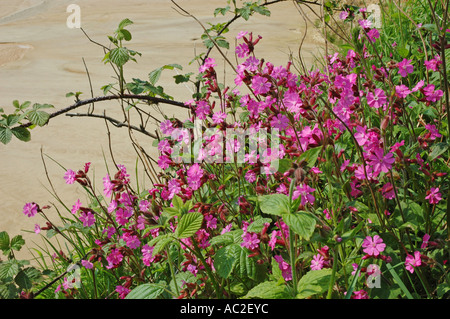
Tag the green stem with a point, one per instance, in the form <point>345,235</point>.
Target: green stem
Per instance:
<point>333,275</point>
<point>292,260</point>
<point>172,272</point>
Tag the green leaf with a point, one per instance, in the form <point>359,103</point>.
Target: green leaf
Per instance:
<point>27,277</point>
<point>399,281</point>
<point>162,243</point>
<point>189,224</point>
<point>311,155</point>
<point>314,282</point>
<point>17,242</point>
<point>300,223</point>
<point>21,133</point>
<point>156,74</point>
<point>119,56</point>
<point>146,291</point>
<point>124,23</point>
<point>9,269</point>
<point>124,35</point>
<point>5,134</point>
<point>258,224</point>
<point>268,290</point>
<point>274,204</point>
<point>36,116</point>
<point>225,259</point>
<point>437,150</point>
<point>4,240</point>
<point>8,291</point>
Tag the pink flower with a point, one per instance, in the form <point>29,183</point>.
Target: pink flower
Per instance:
<point>317,262</point>
<point>250,241</point>
<point>425,240</point>
<point>114,258</point>
<point>285,268</point>
<point>87,264</point>
<point>107,186</point>
<point>70,176</point>
<point>373,247</point>
<point>147,254</point>
<point>219,117</point>
<point>405,67</point>
<point>211,221</point>
<point>343,15</point>
<point>241,34</point>
<point>365,24</point>
<point>37,228</point>
<point>413,261</point>
<point>250,176</point>
<point>30,209</point>
<point>209,63</point>
<point>304,191</point>
<point>194,175</point>
<point>88,219</point>
<point>280,122</point>
<point>260,85</point>
<point>251,64</point>
<point>242,50</point>
<point>402,91</point>
<point>433,64</point>
<point>360,294</point>
<point>166,127</point>
<point>388,191</point>
<point>376,99</point>
<point>122,291</point>
<point>418,86</point>
<point>373,34</point>
<point>431,94</point>
<point>434,133</point>
<point>361,135</point>
<point>433,195</point>
<point>381,162</point>
<point>202,109</point>
<point>164,162</point>
<point>76,207</point>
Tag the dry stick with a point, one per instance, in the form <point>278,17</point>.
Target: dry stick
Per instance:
<point>113,121</point>
<point>90,85</point>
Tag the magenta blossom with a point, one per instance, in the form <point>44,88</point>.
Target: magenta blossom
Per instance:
<point>260,85</point>
<point>285,268</point>
<point>413,261</point>
<point>250,241</point>
<point>30,209</point>
<point>405,67</point>
<point>88,219</point>
<point>433,195</point>
<point>376,99</point>
<point>373,246</point>
<point>305,192</point>
<point>70,176</point>
<point>317,262</point>
<point>380,162</point>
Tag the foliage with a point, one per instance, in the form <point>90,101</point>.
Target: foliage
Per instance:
<point>329,183</point>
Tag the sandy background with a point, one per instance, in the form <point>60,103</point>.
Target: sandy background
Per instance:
<point>41,60</point>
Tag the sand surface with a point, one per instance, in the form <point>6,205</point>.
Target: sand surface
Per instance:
<point>41,61</point>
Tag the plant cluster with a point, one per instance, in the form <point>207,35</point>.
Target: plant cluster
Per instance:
<point>338,188</point>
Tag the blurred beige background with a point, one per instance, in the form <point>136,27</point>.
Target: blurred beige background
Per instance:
<point>41,61</point>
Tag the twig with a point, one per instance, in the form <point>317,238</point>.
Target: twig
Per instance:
<point>113,97</point>
<point>114,122</point>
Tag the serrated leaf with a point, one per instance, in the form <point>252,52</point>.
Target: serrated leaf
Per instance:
<point>21,133</point>
<point>314,282</point>
<point>5,135</point>
<point>188,225</point>
<point>146,291</point>
<point>225,259</point>
<point>300,223</point>
<point>27,277</point>
<point>17,242</point>
<point>274,204</point>
<point>437,150</point>
<point>268,290</point>
<point>8,291</point>
<point>36,116</point>
<point>119,56</point>
<point>258,224</point>
<point>9,269</point>
<point>4,240</point>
